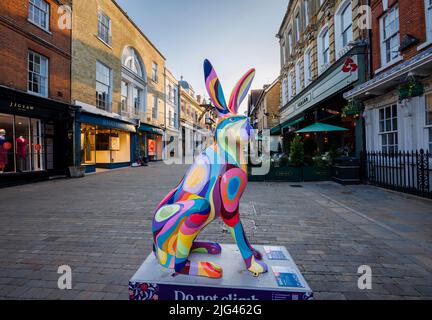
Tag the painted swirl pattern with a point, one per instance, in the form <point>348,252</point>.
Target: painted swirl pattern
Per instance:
<point>211,188</point>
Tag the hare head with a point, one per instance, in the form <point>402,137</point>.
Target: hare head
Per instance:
<point>229,125</point>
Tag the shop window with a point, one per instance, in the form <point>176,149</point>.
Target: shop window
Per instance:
<point>22,145</point>
<point>39,13</point>
<point>389,26</point>
<point>37,74</point>
<point>49,145</point>
<point>104,28</point>
<point>37,146</point>
<point>388,129</point>
<point>428,117</point>
<point>7,145</point>
<point>103,86</point>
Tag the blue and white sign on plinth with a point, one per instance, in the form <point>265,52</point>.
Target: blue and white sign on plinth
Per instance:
<point>283,281</point>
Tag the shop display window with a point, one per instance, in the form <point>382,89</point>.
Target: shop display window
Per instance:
<point>104,145</point>
<point>22,146</point>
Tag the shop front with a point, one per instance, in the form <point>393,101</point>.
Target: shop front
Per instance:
<point>323,102</point>
<point>102,142</point>
<point>35,142</point>
<point>149,143</point>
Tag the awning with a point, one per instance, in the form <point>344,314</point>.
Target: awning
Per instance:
<point>148,128</point>
<point>321,127</point>
<point>105,122</point>
<point>275,130</point>
<point>278,129</point>
<point>290,124</point>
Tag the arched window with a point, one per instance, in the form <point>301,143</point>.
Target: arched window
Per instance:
<point>323,50</point>
<point>343,27</point>
<point>298,77</point>
<point>133,102</point>
<point>132,61</point>
<point>307,67</point>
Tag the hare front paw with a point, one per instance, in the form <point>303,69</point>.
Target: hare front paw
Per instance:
<point>257,267</point>
<point>256,253</point>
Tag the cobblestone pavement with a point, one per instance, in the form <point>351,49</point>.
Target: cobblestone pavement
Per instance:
<point>101,226</point>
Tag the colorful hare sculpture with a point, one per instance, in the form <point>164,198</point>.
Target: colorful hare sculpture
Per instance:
<point>211,188</point>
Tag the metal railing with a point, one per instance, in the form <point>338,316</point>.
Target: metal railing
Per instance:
<point>405,171</point>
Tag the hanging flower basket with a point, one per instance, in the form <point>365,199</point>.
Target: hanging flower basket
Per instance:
<point>352,109</point>
<point>411,88</point>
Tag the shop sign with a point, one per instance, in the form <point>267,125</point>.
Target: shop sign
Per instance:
<point>21,106</point>
<point>303,101</point>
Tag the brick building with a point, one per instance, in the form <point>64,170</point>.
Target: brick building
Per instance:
<point>118,83</point>
<point>398,97</point>
<point>35,115</point>
<point>265,110</point>
<point>323,55</point>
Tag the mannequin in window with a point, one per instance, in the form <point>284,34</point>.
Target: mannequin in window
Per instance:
<point>21,145</point>
<point>3,150</point>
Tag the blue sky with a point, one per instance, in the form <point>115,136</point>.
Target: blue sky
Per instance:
<point>234,35</point>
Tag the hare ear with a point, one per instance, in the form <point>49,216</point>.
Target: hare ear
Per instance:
<point>240,91</point>
<point>214,88</point>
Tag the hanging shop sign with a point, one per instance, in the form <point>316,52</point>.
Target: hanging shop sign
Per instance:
<point>349,66</point>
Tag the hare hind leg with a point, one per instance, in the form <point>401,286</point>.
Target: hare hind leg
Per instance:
<point>206,247</point>
<point>197,215</point>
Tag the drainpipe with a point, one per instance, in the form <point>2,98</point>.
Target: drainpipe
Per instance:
<point>165,124</point>
<point>370,75</point>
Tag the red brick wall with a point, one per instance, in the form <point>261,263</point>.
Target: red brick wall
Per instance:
<point>18,36</point>
<point>411,21</point>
